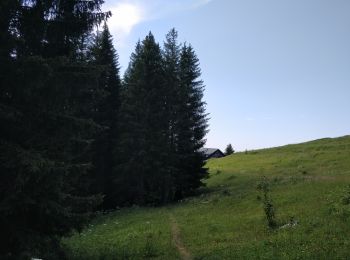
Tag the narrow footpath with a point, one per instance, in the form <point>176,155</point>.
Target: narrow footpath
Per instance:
<point>176,236</point>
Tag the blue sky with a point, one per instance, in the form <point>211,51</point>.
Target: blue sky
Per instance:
<point>276,71</point>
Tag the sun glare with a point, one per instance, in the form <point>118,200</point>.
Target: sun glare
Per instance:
<point>124,17</point>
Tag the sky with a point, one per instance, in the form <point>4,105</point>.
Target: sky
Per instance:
<point>276,71</point>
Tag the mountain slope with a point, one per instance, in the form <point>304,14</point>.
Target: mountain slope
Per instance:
<point>308,182</point>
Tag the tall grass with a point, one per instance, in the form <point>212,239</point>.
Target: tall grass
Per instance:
<point>227,221</point>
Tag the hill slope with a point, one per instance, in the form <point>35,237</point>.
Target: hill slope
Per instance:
<point>308,182</point>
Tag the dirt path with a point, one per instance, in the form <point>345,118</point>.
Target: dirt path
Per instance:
<point>176,235</point>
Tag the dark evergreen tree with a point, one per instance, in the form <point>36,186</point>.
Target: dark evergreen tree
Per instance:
<point>173,102</point>
<point>186,116</point>
<point>229,150</point>
<point>44,135</point>
<point>143,152</point>
<point>105,113</point>
<point>163,124</point>
<point>191,125</point>
<point>71,22</point>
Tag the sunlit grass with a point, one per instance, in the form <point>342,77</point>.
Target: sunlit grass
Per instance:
<point>227,221</point>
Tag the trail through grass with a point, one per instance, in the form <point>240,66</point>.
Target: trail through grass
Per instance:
<point>176,235</point>
<point>308,184</point>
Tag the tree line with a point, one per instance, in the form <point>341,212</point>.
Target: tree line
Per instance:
<point>75,137</point>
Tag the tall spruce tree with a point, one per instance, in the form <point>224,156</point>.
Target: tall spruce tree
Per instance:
<point>171,56</point>
<point>103,55</point>
<point>191,124</point>
<point>162,124</point>
<point>44,136</point>
<point>143,152</point>
<point>186,113</point>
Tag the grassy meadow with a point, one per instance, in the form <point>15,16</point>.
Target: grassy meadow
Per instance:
<point>309,183</point>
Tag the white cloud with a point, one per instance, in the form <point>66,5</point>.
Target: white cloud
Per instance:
<point>126,14</point>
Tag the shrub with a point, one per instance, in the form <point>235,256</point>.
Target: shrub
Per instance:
<point>269,209</point>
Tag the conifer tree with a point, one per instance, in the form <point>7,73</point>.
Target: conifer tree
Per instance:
<point>105,113</point>
<point>171,56</point>
<point>44,135</point>
<point>187,118</point>
<point>163,124</point>
<point>191,126</point>
<point>229,150</point>
<point>142,169</point>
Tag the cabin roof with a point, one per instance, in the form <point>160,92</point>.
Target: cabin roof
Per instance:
<point>209,151</point>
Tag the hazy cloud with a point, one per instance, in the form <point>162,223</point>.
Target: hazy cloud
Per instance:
<point>125,15</point>
<point>128,13</point>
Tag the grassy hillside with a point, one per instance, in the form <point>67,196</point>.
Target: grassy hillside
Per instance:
<point>308,181</point>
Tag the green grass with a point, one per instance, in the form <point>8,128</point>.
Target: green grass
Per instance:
<point>308,182</point>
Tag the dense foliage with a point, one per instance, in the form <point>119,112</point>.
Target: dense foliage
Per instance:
<point>162,124</point>
<point>74,137</point>
<point>103,56</point>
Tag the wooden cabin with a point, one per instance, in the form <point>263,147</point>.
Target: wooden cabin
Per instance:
<point>212,153</point>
